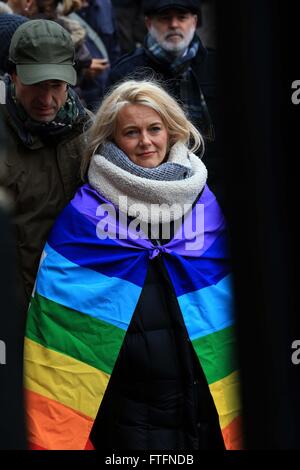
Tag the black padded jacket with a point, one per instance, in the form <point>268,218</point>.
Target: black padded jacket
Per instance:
<point>158,397</point>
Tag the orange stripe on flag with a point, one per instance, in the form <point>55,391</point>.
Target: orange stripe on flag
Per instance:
<point>35,447</point>
<point>88,446</point>
<point>54,426</point>
<point>232,435</point>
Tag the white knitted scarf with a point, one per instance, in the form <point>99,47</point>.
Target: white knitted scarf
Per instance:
<point>148,200</point>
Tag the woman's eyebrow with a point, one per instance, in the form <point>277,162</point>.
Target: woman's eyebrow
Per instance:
<point>135,126</point>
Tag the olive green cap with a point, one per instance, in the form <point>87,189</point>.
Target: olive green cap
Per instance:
<point>43,50</point>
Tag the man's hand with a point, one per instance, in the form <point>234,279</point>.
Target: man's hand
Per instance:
<point>96,68</point>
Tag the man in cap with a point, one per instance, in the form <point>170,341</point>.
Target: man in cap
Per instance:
<point>44,123</point>
<point>174,54</point>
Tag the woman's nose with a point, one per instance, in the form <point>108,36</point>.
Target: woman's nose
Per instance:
<point>145,139</point>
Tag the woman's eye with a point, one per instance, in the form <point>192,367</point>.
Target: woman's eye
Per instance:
<point>155,129</point>
<point>131,133</point>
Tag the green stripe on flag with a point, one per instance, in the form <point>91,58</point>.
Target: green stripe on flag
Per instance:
<point>70,332</point>
<point>217,354</point>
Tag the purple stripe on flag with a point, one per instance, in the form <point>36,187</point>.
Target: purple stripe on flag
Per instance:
<point>203,233</point>
<point>87,201</point>
<point>202,225</point>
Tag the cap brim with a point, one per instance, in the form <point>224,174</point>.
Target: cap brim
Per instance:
<point>173,7</point>
<point>169,7</point>
<point>30,74</point>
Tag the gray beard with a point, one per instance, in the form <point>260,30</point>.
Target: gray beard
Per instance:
<point>176,50</point>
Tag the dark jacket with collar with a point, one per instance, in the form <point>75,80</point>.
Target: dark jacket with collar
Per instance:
<point>41,178</point>
<point>142,64</point>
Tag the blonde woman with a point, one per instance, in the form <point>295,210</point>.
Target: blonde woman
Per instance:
<point>130,340</point>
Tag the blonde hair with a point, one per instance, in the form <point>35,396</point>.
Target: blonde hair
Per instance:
<point>147,93</point>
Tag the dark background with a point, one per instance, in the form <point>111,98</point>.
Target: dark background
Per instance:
<point>12,430</point>
<point>258,58</point>
<point>258,61</point>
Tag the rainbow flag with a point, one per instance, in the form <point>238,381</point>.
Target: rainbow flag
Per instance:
<point>86,292</point>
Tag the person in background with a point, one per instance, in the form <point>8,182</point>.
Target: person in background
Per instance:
<point>173,53</point>
<point>130,335</point>
<point>62,12</point>
<point>97,17</point>
<point>8,25</point>
<point>130,24</point>
<point>43,121</point>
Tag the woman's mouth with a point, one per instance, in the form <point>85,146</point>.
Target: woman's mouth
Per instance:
<point>146,154</point>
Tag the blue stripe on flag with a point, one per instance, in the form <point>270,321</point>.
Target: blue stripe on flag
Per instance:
<point>209,309</point>
<point>106,298</point>
<point>74,237</point>
<point>190,274</point>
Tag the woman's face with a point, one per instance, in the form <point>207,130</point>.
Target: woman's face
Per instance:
<point>142,135</point>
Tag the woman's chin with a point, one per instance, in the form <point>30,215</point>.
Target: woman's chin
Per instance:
<point>148,164</point>
<point>153,165</point>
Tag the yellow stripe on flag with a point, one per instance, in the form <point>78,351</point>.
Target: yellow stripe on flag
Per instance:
<point>64,379</point>
<point>226,395</point>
